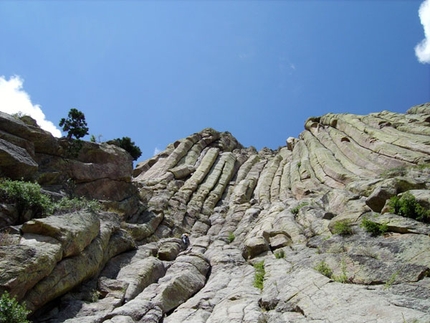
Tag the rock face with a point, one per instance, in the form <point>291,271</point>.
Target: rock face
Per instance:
<point>299,212</point>
<point>98,171</point>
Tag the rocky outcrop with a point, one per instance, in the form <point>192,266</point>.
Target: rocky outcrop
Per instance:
<point>57,253</point>
<point>299,212</point>
<point>94,170</point>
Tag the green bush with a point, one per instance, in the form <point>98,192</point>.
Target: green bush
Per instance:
<point>11,311</point>
<point>375,229</point>
<point>323,268</point>
<point>231,237</point>
<point>66,205</point>
<point>279,254</point>
<point>129,146</point>
<point>26,196</point>
<point>296,209</point>
<point>259,274</point>
<point>343,228</point>
<point>407,206</point>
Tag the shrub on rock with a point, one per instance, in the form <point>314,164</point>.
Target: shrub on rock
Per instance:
<point>11,311</point>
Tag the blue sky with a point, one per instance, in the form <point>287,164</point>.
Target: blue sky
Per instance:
<point>158,71</point>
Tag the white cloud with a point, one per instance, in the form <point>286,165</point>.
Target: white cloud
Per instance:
<point>157,151</point>
<point>13,99</point>
<point>422,50</point>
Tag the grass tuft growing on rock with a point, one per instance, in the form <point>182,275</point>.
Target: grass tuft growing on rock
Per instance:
<point>231,237</point>
<point>343,277</point>
<point>324,269</point>
<point>279,254</point>
<point>296,209</point>
<point>66,205</point>
<point>343,228</point>
<point>390,282</point>
<point>259,275</point>
<point>375,229</point>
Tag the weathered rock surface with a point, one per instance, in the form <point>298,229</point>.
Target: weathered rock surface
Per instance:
<point>98,171</point>
<point>242,207</point>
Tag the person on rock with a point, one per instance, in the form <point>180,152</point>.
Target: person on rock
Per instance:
<point>185,240</point>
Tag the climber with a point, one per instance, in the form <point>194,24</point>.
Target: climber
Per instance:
<point>185,240</point>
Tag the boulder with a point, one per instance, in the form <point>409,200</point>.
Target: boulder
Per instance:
<point>74,231</point>
<point>182,280</point>
<point>23,265</point>
<point>24,132</point>
<point>182,171</point>
<point>16,162</point>
<point>379,197</point>
<point>169,249</point>
<point>255,246</point>
<point>279,240</point>
<point>139,275</point>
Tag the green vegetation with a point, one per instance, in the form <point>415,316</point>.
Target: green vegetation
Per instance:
<point>66,205</point>
<point>342,278</point>
<point>129,146</point>
<point>323,268</point>
<point>94,138</point>
<point>280,254</point>
<point>231,237</point>
<point>259,275</point>
<point>125,143</point>
<point>407,206</point>
<point>375,229</point>
<point>296,209</point>
<point>423,166</point>
<point>343,228</point>
<point>26,196</point>
<point>391,281</point>
<point>11,311</point>
<point>75,124</point>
